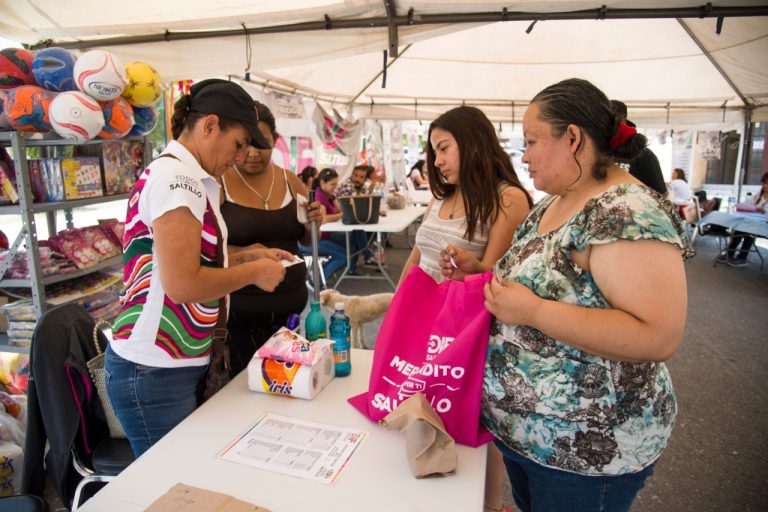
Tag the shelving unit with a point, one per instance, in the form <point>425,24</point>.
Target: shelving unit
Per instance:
<point>19,142</point>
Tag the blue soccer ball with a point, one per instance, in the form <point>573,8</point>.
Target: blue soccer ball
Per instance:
<point>145,120</point>
<point>53,69</point>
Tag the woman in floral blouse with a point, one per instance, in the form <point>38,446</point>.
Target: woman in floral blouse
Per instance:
<point>588,302</point>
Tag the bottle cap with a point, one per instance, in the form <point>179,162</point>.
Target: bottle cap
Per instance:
<point>339,306</point>
<point>293,321</point>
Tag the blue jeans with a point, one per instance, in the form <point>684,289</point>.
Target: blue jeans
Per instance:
<point>538,488</point>
<point>150,401</point>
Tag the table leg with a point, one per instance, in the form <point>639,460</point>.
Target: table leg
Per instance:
<point>344,273</point>
<point>379,253</point>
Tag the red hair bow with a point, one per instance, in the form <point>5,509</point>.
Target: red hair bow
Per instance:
<point>622,134</point>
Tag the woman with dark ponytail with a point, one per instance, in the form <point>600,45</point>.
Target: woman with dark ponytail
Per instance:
<point>588,302</point>
<point>176,273</point>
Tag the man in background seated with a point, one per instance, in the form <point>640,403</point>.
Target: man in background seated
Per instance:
<point>645,166</point>
<point>358,182</point>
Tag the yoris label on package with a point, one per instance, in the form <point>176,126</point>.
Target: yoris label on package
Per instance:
<point>277,376</point>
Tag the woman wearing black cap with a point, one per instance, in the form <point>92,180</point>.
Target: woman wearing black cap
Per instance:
<point>174,242</point>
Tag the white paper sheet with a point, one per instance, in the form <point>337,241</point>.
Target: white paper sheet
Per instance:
<point>295,447</point>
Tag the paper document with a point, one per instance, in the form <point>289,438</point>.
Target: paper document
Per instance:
<point>295,261</point>
<point>295,447</point>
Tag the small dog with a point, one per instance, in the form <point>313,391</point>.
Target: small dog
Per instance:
<point>360,309</point>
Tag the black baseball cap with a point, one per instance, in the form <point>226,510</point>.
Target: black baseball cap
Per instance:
<point>224,98</point>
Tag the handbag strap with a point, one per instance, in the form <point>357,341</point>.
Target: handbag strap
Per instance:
<point>220,330</point>
<point>99,325</point>
<point>354,210</point>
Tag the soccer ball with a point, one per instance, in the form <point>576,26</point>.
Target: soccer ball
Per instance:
<point>3,121</point>
<point>52,68</point>
<point>144,85</point>
<point>145,119</point>
<point>76,116</point>
<point>118,118</point>
<point>100,74</point>
<point>16,68</point>
<point>26,108</point>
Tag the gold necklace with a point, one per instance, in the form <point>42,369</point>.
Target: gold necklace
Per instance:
<point>266,200</point>
<point>455,205</point>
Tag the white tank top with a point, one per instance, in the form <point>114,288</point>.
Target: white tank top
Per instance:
<point>435,234</point>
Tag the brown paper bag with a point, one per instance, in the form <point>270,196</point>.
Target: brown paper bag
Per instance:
<point>429,448</point>
<point>185,498</point>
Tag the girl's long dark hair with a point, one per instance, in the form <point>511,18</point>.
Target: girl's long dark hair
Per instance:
<point>484,166</point>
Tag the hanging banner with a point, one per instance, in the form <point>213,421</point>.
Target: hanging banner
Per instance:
<point>682,149</point>
<point>340,137</point>
<point>284,105</point>
<point>709,145</point>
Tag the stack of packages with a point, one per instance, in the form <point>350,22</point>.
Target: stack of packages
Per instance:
<point>21,322</point>
<point>288,364</point>
<point>13,428</point>
<point>51,262</point>
<point>86,246</point>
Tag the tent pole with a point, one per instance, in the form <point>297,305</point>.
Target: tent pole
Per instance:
<point>416,19</point>
<point>746,152</point>
<point>713,62</point>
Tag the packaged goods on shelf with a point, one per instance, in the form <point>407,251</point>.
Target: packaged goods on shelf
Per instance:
<point>120,160</point>
<point>100,241</point>
<point>8,194</point>
<point>52,179</point>
<point>51,263</point>
<point>82,177</point>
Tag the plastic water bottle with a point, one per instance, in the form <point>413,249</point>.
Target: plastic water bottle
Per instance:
<point>340,331</point>
<point>314,324</point>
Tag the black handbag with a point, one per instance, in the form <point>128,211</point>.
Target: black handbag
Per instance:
<point>362,209</point>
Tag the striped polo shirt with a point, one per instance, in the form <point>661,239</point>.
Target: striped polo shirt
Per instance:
<point>151,329</point>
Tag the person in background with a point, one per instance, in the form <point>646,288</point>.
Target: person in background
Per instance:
<point>679,191</point>
<point>645,166</point>
<point>741,243</point>
<point>479,204</point>
<point>360,182</point>
<point>308,176</point>
<point>259,206</point>
<point>588,301</point>
<point>417,175</point>
<point>328,245</point>
<point>175,240</point>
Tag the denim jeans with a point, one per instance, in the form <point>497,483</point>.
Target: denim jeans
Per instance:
<point>150,401</point>
<point>538,488</point>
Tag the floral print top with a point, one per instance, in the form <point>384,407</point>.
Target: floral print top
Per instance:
<point>551,402</point>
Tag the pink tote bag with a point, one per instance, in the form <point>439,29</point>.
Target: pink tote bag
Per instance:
<point>433,340</point>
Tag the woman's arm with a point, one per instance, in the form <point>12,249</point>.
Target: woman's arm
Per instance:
<point>643,281</point>
<point>177,241</point>
<point>514,209</point>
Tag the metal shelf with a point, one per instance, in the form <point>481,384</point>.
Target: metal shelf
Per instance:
<point>49,139</point>
<point>26,209</point>
<point>26,283</point>
<point>7,347</point>
<point>62,205</point>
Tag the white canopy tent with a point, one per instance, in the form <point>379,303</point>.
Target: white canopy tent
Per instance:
<point>676,63</point>
<point>669,66</point>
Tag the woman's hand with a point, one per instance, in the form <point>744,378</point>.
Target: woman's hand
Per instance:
<point>457,263</point>
<point>511,302</point>
<point>267,273</point>
<point>315,212</point>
